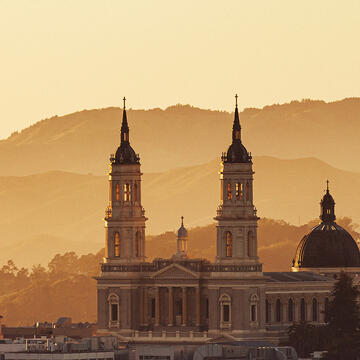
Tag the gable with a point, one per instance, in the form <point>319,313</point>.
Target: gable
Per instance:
<point>175,271</point>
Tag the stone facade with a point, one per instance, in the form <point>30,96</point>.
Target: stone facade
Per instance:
<point>180,297</point>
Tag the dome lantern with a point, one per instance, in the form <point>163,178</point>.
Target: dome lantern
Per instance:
<point>327,206</point>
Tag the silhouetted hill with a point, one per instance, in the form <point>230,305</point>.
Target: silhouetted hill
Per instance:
<point>43,294</point>
<point>183,135</point>
<point>43,214</point>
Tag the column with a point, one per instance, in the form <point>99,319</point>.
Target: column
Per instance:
<point>141,290</point>
<point>184,306</point>
<point>146,307</point>
<point>198,306</point>
<point>157,306</point>
<point>171,306</point>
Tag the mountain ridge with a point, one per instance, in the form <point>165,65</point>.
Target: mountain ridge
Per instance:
<point>183,135</point>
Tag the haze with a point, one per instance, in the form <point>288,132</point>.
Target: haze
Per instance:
<point>63,56</point>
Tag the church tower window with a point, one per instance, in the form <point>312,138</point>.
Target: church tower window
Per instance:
<point>117,192</point>
<point>113,300</point>
<point>127,192</point>
<point>229,193</point>
<point>117,244</point>
<point>228,244</point>
<point>239,191</point>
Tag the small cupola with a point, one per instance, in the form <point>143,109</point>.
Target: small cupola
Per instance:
<point>327,206</point>
<point>182,239</point>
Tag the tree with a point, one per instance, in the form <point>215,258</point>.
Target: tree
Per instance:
<point>301,337</point>
<point>343,316</point>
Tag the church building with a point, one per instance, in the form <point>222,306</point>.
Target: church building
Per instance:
<point>181,299</point>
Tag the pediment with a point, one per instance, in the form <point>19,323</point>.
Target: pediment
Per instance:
<point>175,271</point>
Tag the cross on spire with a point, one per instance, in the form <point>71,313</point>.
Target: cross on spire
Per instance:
<point>124,99</point>
<point>236,97</point>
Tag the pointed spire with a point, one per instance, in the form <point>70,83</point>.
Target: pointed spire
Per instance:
<point>236,133</point>
<point>327,186</point>
<point>182,221</point>
<point>124,125</point>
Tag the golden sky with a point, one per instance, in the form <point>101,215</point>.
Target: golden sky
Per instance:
<point>62,56</point>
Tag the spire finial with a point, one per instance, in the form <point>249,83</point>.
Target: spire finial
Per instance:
<point>236,97</point>
<point>182,221</point>
<point>327,185</point>
<point>124,99</point>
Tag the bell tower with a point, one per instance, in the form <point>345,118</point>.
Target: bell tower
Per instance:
<point>236,214</point>
<point>125,216</point>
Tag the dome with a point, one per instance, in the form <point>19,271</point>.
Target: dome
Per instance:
<point>328,245</point>
<point>237,153</point>
<point>182,232</point>
<point>125,154</point>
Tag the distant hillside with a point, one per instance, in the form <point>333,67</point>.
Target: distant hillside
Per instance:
<point>42,294</point>
<point>184,136</point>
<point>43,214</point>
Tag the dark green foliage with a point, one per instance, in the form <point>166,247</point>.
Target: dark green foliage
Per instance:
<point>340,337</point>
<point>343,320</point>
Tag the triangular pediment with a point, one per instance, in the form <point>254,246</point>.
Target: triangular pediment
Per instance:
<point>175,271</point>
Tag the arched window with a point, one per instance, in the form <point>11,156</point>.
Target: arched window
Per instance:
<point>326,305</point>
<point>127,192</point>
<point>314,310</point>
<point>247,192</point>
<point>117,192</point>
<point>253,307</point>
<point>291,310</point>
<point>135,197</point>
<point>225,311</point>
<point>117,244</point>
<point>267,311</point>
<point>302,310</point>
<point>138,244</point>
<point>229,194</point>
<point>228,244</point>
<point>250,241</point>
<point>239,191</point>
<point>113,300</point>
<point>278,310</point>
<point>207,308</point>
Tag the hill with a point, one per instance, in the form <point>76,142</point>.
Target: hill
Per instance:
<point>183,135</point>
<point>42,294</point>
<point>44,214</point>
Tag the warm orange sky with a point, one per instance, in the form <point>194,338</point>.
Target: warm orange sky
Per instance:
<point>62,56</point>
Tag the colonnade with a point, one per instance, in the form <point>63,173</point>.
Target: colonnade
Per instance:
<point>150,301</point>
